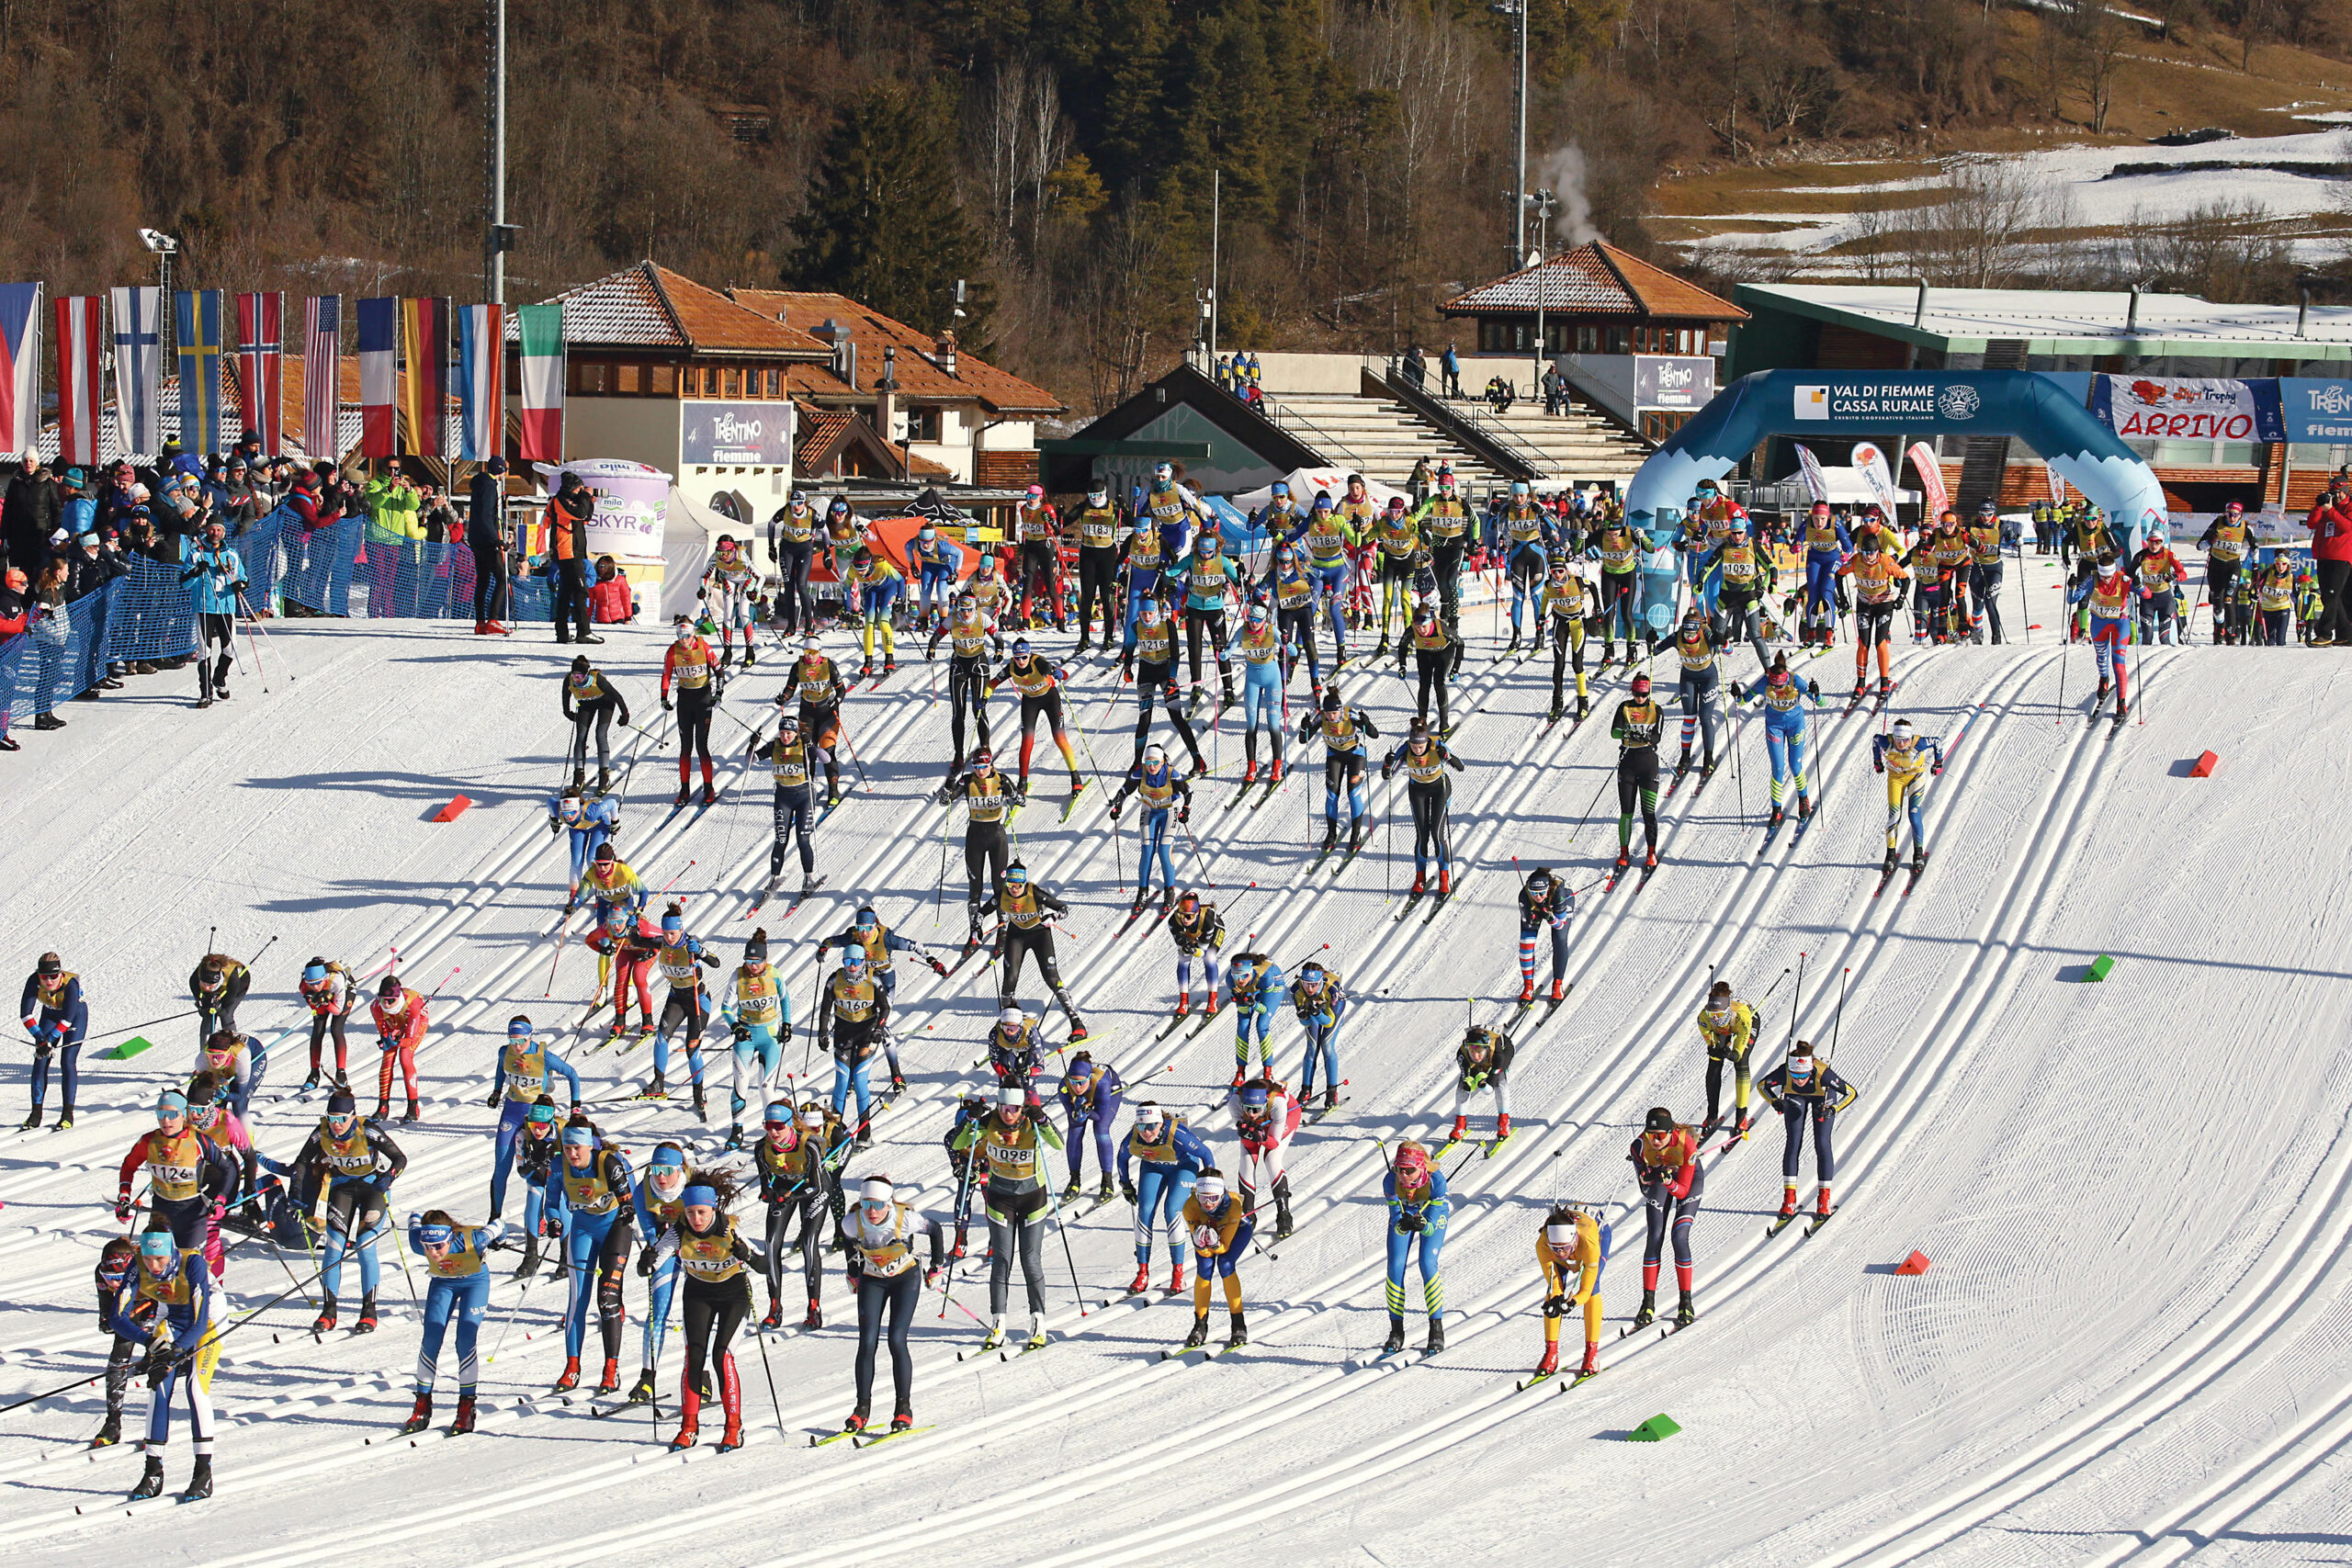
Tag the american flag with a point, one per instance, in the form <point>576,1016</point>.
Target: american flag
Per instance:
<point>321,367</point>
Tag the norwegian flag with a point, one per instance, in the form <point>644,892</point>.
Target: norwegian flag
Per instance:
<point>81,353</point>
<point>261,367</point>
<point>321,367</point>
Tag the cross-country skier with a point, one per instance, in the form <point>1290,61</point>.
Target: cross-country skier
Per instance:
<point>1198,930</point>
<point>328,990</point>
<point>590,701</point>
<point>1266,1116</point>
<point>853,1022</point>
<point>1909,761</point>
<point>711,1259</point>
<point>1151,644</point>
<point>759,1014</point>
<point>1157,1165</point>
<point>968,633</point>
<point>1320,1002</point>
<point>1258,989</point>
<point>1672,1182</point>
<point>887,1280</point>
<point>795,1182</point>
<point>169,1306</point>
<point>1091,1095</point>
<point>989,801</point>
<point>1569,601</point>
<point>1025,914</point>
<point>692,670</point>
<point>1160,787</point>
<point>1261,646</point>
<point>1786,729</point>
<point>1803,1089</point>
<point>1418,1211</point>
<point>347,1168</point>
<point>597,1187</point>
<point>1546,904</point>
<point>1482,1061</point>
<point>55,1017</point>
<point>187,1174</point>
<point>1430,792</point>
<point>456,1263</point>
<point>680,959</point>
<point>816,680</point>
<point>660,1200</point>
<point>1880,587</point>
<point>1638,728</point>
<point>524,1072</point>
<point>1040,685</point>
<point>1344,730</point>
<point>1220,1226</point>
<point>1727,1029</point>
<point>1010,1145</point>
<point>1569,1255</point>
<point>729,586</point>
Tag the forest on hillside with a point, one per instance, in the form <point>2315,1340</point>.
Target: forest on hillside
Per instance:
<point>1065,156</point>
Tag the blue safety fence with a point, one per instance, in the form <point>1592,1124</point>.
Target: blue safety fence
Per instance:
<point>348,568</point>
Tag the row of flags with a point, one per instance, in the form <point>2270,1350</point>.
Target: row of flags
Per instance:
<point>406,372</point>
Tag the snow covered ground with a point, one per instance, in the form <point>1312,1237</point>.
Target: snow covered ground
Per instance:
<point>2137,1195</point>
<point>2083,188</point>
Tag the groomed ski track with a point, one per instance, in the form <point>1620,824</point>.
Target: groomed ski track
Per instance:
<point>2135,1193</point>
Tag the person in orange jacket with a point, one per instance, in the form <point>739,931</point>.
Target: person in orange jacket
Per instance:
<point>400,1029</point>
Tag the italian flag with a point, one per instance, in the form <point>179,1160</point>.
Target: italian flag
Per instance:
<point>541,328</point>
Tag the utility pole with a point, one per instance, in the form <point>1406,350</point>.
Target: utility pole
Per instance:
<point>1517,11</point>
<point>1543,201</point>
<point>1216,215</point>
<point>498,235</point>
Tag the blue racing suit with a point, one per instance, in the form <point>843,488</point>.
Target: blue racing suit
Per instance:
<point>1170,1167</point>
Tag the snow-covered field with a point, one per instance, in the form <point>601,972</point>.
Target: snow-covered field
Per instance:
<point>2137,1194</point>
<point>2079,187</point>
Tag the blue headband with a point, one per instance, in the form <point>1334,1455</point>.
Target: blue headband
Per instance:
<point>156,1243</point>
<point>701,1196</point>
<point>579,1136</point>
<point>666,1156</point>
<point>172,1100</point>
<point>543,1114</point>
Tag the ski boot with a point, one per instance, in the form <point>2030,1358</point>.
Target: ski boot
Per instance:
<point>1461,1130</point>
<point>1330,834</point>
<point>1282,1226</point>
<point>611,1382</point>
<point>199,1481</point>
<point>1502,1126</point>
<point>1184,1005</point>
<point>1919,860</point>
<point>1421,885</point>
<point>530,1260</point>
<point>1356,831</point>
<point>655,1088</point>
<point>857,1422</point>
<point>419,1418</point>
<point>1275,776</point>
<point>311,1082</point>
<point>415,1111</point>
<point>641,1391</point>
<point>150,1484</point>
<point>1804,808</point>
<point>1444,882</point>
<point>1624,856</point>
<point>1527,989</point>
<point>1788,1203</point>
<point>902,1419</point>
<point>1583,709</point>
<point>1893,860</point>
<point>1330,1099</point>
<point>774,1318</point>
<point>1240,1335</point>
<point>1551,1361</point>
<point>110,1433</point>
<point>1559,990</point>
<point>325,1322</point>
<point>1074,1191</point>
<point>1777,817</point>
<point>1395,1334</point>
<point>570,1378</point>
<point>1108,1191</point>
<point>1076,1029</point>
<point>816,1318</point>
<point>1437,1337</point>
<point>1649,859</point>
<point>709,794</point>
<point>1591,1360</point>
<point>1685,1312</point>
<point>994,1340</point>
<point>681,797</point>
<point>1648,1313</point>
<point>1200,1334</point>
<point>732,1438</point>
<point>1249,772</point>
<point>31,1122</point>
<point>702,1106</point>
<point>1142,1281</point>
<point>465,1421</point>
<point>1822,1208</point>
<point>689,1426</point>
<point>1176,1281</point>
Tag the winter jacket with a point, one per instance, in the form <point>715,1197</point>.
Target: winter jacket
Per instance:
<point>2331,525</point>
<point>215,577</point>
<point>28,516</point>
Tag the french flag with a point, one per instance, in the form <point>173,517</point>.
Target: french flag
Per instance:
<point>20,366</point>
<point>379,375</point>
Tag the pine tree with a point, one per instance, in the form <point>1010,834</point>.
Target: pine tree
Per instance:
<point>883,223</point>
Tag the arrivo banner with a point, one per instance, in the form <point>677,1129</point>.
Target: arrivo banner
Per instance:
<point>2167,408</point>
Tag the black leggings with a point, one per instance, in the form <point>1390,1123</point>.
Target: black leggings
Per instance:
<point>2336,617</point>
<point>489,580</point>
<point>1445,560</point>
<point>1098,572</point>
<point>809,1206</point>
<point>713,1314</point>
<point>694,733</point>
<point>1428,802</point>
<point>1637,783</point>
<point>1213,621</point>
<point>321,1024</point>
<point>985,848</point>
<point>898,1294</point>
<point>1434,665</point>
<point>794,605</point>
<point>1153,681</point>
<point>1018,943</point>
<point>1026,1211</point>
<point>1298,630</point>
<point>967,687</point>
<point>597,715</point>
<point>795,815</point>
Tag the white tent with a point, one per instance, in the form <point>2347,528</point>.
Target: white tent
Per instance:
<point>1304,482</point>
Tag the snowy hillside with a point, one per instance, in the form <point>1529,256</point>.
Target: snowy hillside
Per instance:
<point>2136,1194</point>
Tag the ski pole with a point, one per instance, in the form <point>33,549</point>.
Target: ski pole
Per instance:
<point>963,1195</point>
<point>843,730</point>
<point>1589,806</point>
<point>1839,1019</point>
<point>1054,1199</point>
<point>774,1401</point>
<point>1796,1002</point>
<point>273,942</point>
<point>2062,676</point>
<point>129,1028</point>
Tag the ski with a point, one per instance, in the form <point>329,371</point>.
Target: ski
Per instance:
<point>1681,770</point>
<point>1348,859</point>
<point>1883,878</point>
<point>1822,1221</point>
<point>1271,789</point>
<point>1805,821</point>
<point>1917,872</point>
<point>1778,1226</point>
<point>1175,1024</point>
<point>867,1441</point>
<point>1772,830</point>
<point>1437,906</point>
<point>1885,691</point>
<point>1411,900</point>
<point>1009,1354</point>
<point>1494,1144</point>
<point>1531,1382</point>
<point>1706,771</point>
<point>816,1442</point>
<point>1315,1116</point>
<point>1075,796</point>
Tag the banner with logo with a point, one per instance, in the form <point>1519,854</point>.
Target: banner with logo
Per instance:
<point>751,434</point>
<point>1872,463</point>
<point>1816,483</point>
<point>2176,408</point>
<point>1672,382</point>
<point>1931,469</point>
<point>2317,411</point>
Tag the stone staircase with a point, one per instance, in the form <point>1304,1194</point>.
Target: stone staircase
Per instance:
<point>1382,439</point>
